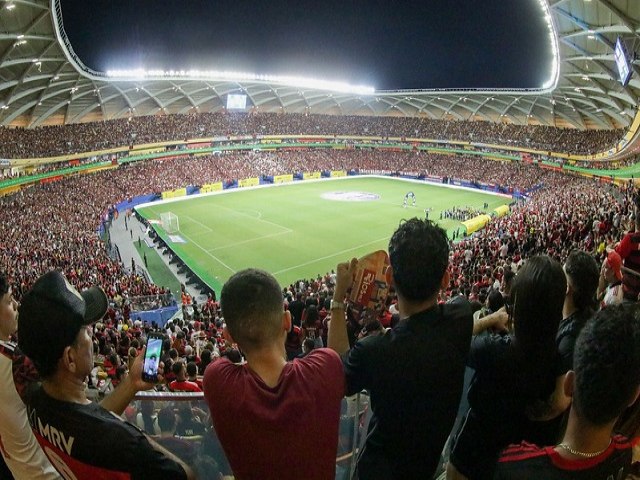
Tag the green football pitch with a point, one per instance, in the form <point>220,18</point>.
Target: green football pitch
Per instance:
<point>302,229</point>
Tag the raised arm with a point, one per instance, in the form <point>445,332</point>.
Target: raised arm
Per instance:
<point>498,320</point>
<point>122,396</point>
<point>337,338</point>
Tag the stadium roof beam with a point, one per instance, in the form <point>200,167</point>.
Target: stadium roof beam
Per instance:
<point>86,110</point>
<point>569,119</point>
<point>625,19</point>
<point>123,93</point>
<point>633,99</point>
<point>18,111</point>
<point>71,91</point>
<point>51,110</point>
<point>602,97</point>
<point>555,3</point>
<point>29,3</point>
<point>27,29</point>
<point>25,36</point>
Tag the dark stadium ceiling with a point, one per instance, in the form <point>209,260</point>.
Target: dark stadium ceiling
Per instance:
<point>43,83</point>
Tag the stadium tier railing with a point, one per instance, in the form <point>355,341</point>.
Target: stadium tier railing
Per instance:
<point>201,446</point>
<point>152,302</point>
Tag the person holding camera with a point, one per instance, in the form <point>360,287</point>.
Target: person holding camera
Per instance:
<point>55,331</point>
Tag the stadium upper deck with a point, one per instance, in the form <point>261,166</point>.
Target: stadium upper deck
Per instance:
<point>43,82</point>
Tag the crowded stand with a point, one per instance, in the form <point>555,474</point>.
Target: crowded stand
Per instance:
<point>49,141</point>
<point>53,226</point>
<point>462,213</point>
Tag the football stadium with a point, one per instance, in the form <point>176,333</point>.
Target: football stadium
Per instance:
<point>177,281</point>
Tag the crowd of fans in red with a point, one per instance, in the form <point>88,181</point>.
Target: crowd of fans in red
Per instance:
<point>84,137</point>
<point>54,225</point>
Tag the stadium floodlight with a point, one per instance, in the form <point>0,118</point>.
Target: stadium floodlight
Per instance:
<point>293,81</point>
<point>554,76</point>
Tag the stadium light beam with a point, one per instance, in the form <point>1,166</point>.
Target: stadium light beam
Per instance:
<point>293,81</point>
<point>554,75</point>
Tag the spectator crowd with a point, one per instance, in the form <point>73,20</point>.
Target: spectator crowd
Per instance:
<point>84,137</point>
<point>53,226</point>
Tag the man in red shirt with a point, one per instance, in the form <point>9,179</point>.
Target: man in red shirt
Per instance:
<point>181,384</point>
<point>275,419</point>
<point>629,251</point>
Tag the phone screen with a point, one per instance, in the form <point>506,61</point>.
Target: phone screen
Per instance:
<point>152,358</point>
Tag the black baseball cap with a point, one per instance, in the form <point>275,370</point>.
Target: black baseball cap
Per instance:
<point>52,313</point>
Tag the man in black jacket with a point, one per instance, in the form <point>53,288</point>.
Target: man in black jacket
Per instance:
<point>414,372</point>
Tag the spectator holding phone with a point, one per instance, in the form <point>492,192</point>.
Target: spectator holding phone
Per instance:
<point>414,372</point>
<point>275,419</point>
<point>55,332</point>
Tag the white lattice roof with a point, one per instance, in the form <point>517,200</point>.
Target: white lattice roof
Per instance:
<point>43,82</point>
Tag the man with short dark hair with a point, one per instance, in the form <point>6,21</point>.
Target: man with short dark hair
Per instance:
<point>604,381</point>
<point>579,306</point>
<point>181,384</point>
<point>192,374</point>
<point>173,442</point>
<point>55,332</point>
<point>275,419</point>
<point>414,372</point>
<point>296,308</point>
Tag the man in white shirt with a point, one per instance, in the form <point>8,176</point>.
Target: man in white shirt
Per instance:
<point>18,445</point>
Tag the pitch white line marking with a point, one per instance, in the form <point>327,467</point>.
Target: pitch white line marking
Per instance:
<point>342,252</point>
<point>211,255</point>
<point>195,221</point>
<point>254,218</point>
<point>249,241</point>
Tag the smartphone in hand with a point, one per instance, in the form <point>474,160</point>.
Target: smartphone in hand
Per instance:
<point>152,356</point>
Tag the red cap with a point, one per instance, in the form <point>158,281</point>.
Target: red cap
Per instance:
<point>615,263</point>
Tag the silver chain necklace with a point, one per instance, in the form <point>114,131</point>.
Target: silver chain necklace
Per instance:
<point>583,454</point>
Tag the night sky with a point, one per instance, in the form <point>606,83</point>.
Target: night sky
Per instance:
<point>384,44</point>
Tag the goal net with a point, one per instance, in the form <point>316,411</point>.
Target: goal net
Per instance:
<point>169,222</point>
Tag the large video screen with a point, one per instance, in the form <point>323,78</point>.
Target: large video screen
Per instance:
<point>236,102</point>
<point>623,62</point>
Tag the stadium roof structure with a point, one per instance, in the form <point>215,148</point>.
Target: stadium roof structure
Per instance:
<point>43,82</point>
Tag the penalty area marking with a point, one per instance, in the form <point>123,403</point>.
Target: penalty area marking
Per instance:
<point>210,254</point>
<point>250,240</point>
<point>341,252</point>
<point>196,221</point>
<point>258,218</point>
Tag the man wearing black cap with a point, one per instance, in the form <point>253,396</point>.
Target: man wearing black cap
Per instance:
<point>55,332</point>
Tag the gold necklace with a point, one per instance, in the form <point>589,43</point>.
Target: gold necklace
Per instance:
<point>583,454</point>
